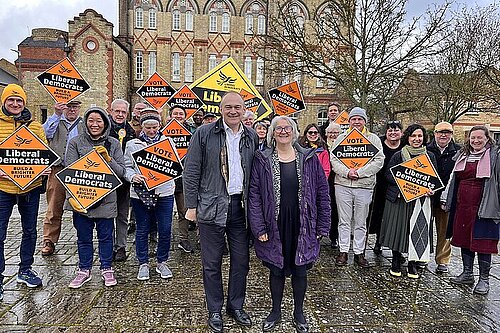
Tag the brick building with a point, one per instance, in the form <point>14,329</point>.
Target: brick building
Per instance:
<point>180,39</point>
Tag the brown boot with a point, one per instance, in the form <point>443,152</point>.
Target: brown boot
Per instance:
<point>341,259</point>
<point>48,248</point>
<point>361,261</point>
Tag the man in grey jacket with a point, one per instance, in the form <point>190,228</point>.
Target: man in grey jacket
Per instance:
<point>354,190</point>
<point>216,178</point>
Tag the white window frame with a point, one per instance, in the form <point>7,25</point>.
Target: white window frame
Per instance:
<point>259,75</point>
<point>249,24</point>
<point>212,22</point>
<point>212,61</point>
<point>151,62</point>
<point>189,20</point>
<point>261,24</point>
<point>248,68</point>
<point>152,18</point>
<point>176,67</point>
<point>188,68</point>
<point>139,18</point>
<point>139,65</point>
<point>176,20</point>
<point>226,23</point>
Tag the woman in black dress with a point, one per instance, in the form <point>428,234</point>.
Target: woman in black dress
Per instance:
<point>289,211</point>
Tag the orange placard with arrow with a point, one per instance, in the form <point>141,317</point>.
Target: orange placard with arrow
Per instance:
<point>158,162</point>
<point>24,157</point>
<point>179,135</point>
<point>355,150</point>
<point>186,98</point>
<point>416,177</point>
<point>156,91</point>
<point>287,99</point>
<point>89,179</point>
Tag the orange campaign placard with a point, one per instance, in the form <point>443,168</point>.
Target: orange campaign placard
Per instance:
<point>89,179</point>
<point>287,99</point>
<point>355,150</point>
<point>186,98</point>
<point>343,120</point>
<point>158,162</point>
<point>252,102</point>
<point>63,81</point>
<point>24,156</point>
<point>156,91</point>
<point>180,136</point>
<point>416,177</point>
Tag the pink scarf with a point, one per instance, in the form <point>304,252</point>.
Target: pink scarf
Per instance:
<point>483,169</point>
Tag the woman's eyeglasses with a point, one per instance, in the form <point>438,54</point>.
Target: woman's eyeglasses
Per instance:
<point>312,132</point>
<point>280,129</point>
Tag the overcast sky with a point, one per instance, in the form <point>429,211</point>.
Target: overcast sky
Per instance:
<point>19,17</point>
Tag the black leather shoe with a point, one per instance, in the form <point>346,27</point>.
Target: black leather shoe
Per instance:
<point>215,322</point>
<point>300,327</point>
<point>240,316</point>
<point>269,325</point>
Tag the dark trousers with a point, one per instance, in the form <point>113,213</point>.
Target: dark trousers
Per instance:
<point>212,244</point>
<point>27,204</point>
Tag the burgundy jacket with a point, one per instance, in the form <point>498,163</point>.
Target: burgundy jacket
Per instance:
<point>314,208</point>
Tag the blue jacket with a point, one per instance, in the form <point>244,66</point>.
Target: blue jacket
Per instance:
<point>314,208</point>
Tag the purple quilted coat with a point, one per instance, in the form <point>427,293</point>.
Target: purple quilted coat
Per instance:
<point>314,208</point>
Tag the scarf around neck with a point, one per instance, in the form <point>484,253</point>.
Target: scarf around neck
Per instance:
<point>144,138</point>
<point>483,169</point>
<point>408,152</point>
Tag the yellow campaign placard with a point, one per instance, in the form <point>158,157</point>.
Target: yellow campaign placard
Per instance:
<point>416,177</point>
<point>158,162</point>
<point>355,150</point>
<point>24,157</point>
<point>63,81</point>
<point>179,134</point>
<point>89,179</point>
<point>227,76</point>
<point>287,99</point>
<point>343,120</point>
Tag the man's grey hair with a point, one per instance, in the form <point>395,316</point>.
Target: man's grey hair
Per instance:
<point>272,127</point>
<point>120,101</point>
<point>332,126</point>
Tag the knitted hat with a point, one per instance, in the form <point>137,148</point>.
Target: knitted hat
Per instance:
<point>357,111</point>
<point>13,90</point>
<point>149,114</point>
<point>443,126</point>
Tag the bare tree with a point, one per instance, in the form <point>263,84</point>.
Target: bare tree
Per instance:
<point>462,76</point>
<point>363,47</point>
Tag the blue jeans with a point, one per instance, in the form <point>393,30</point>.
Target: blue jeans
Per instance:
<point>85,231</point>
<point>27,205</point>
<point>162,213</point>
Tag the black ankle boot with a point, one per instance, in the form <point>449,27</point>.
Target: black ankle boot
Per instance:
<point>412,270</point>
<point>483,285</point>
<point>466,277</point>
<point>396,264</point>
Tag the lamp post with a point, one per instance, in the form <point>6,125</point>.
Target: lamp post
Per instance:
<point>19,66</point>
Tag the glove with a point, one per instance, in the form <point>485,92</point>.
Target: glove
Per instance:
<point>104,153</point>
<point>76,206</point>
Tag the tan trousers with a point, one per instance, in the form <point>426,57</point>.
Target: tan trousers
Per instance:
<point>56,194</point>
<point>443,247</point>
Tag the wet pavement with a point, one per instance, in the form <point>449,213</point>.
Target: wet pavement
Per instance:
<point>347,299</point>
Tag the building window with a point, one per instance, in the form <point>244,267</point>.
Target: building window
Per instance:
<point>226,22</point>
<point>139,66</point>
<point>248,67</point>
<point>176,20</point>
<point>319,81</point>
<point>176,67</point>
<point>259,79</point>
<point>322,117</point>
<point>152,18</point>
<point>261,25</point>
<point>139,20</point>
<point>224,57</point>
<point>189,20</point>
<point>212,62</point>
<point>152,63</point>
<point>213,22</point>
<point>249,24</point>
<point>188,68</point>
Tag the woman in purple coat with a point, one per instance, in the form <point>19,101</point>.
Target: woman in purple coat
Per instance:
<point>289,212</point>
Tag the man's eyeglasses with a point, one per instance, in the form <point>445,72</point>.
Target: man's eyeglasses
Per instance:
<point>445,132</point>
<point>287,129</point>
